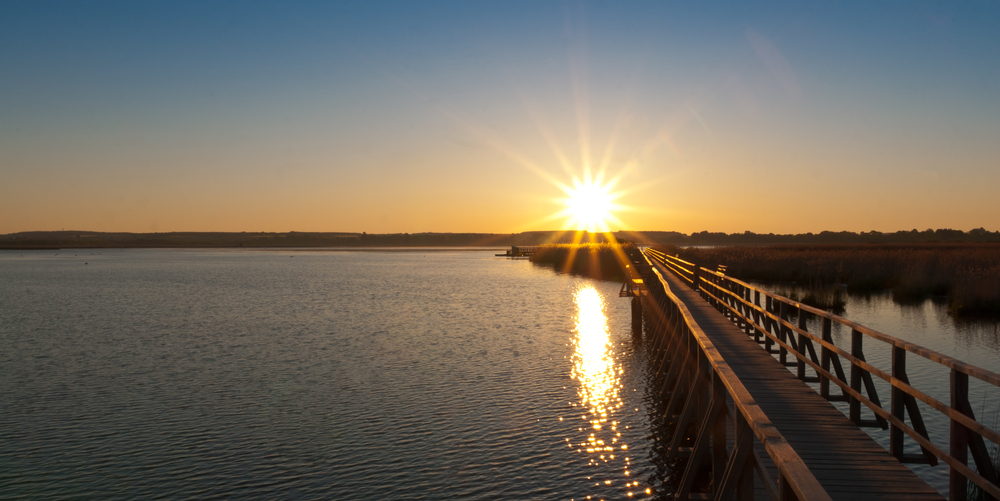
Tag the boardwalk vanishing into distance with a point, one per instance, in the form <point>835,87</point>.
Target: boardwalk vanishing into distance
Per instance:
<point>745,427</point>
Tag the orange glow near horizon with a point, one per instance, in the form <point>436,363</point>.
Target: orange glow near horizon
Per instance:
<point>397,132</point>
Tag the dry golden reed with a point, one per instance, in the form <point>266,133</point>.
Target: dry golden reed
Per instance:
<point>967,273</point>
<point>601,261</point>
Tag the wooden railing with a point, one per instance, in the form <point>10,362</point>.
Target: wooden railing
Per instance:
<point>699,381</point>
<point>680,267</point>
<point>769,324</point>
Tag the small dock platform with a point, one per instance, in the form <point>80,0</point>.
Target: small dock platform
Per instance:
<point>519,251</point>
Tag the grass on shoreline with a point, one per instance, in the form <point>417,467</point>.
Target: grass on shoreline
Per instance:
<point>967,274</point>
<point>600,261</point>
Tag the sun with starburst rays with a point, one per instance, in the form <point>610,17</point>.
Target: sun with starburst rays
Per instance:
<point>590,204</point>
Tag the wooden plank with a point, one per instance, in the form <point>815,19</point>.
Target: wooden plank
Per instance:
<point>843,458</point>
<point>953,363</point>
<point>865,370</point>
<point>796,474</point>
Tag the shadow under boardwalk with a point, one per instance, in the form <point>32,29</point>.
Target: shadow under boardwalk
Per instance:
<point>844,459</point>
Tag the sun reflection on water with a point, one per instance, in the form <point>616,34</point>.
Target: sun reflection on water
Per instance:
<point>593,364</point>
<point>599,375</point>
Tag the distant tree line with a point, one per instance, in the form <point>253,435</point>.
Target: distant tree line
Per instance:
<point>967,273</point>
<point>824,237</point>
<point>90,239</point>
<point>83,239</point>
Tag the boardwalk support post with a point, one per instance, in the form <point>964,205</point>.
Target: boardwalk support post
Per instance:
<point>957,483</point>
<point>706,434</point>
<point>636,316</point>
<point>737,481</point>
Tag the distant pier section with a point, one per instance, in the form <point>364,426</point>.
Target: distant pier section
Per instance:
<point>519,251</point>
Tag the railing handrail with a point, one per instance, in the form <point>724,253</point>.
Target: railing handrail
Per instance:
<point>790,465</point>
<point>676,264</point>
<point>960,413</point>
<point>934,356</point>
<point>673,258</point>
<point>871,369</point>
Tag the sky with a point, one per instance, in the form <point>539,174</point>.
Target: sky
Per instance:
<point>387,117</point>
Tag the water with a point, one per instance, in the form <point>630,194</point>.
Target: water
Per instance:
<point>355,375</point>
<point>928,324</point>
<point>128,374</point>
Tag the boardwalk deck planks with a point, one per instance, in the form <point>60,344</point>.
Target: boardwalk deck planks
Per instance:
<point>832,450</point>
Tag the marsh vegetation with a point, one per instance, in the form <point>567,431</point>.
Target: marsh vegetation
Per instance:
<point>602,261</point>
<point>966,275</point>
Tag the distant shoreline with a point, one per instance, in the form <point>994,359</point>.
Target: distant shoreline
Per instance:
<point>51,240</point>
<point>278,249</point>
<point>429,248</point>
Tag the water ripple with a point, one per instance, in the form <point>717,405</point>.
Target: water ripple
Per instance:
<point>215,374</point>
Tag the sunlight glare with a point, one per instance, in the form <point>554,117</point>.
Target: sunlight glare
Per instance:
<point>589,205</point>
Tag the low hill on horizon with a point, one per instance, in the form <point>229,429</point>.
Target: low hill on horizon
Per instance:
<point>91,239</point>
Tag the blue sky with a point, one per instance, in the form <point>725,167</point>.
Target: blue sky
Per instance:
<point>466,116</point>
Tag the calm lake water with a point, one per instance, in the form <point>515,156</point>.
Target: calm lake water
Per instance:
<point>136,374</point>
<point>174,374</point>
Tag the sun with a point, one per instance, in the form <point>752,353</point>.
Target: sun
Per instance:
<point>590,205</point>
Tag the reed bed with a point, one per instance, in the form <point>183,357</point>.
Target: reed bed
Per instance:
<point>968,274</point>
<point>600,261</point>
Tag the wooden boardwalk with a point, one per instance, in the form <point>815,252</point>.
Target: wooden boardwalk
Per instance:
<point>844,460</point>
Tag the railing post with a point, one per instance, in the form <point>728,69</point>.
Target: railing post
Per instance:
<point>785,492</point>
<point>756,316</point>
<point>719,452</point>
<point>824,383</point>
<point>747,310</point>
<point>737,304</point>
<point>636,316</point>
<point>959,446</point>
<point>783,333</point>
<point>768,342</point>
<point>800,368</point>
<point>735,290</point>
<point>744,489</point>
<point>897,402</point>
<point>856,338</point>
